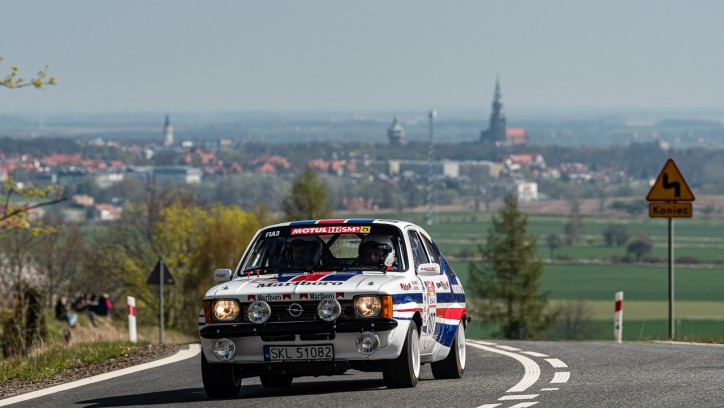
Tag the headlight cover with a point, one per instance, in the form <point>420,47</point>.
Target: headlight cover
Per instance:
<point>367,306</point>
<point>259,312</point>
<point>329,310</point>
<point>226,310</point>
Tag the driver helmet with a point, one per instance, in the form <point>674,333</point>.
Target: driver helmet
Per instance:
<point>377,250</point>
<point>304,252</point>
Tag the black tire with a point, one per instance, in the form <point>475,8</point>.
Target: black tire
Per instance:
<point>276,380</point>
<point>453,366</point>
<point>404,371</point>
<point>220,380</point>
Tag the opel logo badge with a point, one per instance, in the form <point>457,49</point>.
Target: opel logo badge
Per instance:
<point>295,309</point>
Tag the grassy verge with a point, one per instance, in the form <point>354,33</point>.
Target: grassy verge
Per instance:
<point>88,346</point>
<point>50,360</point>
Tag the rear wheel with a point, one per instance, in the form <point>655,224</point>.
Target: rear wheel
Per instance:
<point>453,366</point>
<point>220,380</point>
<point>404,371</point>
<point>276,380</point>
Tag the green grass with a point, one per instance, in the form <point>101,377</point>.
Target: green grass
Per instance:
<point>638,282</point>
<point>51,360</point>
<point>644,310</point>
<point>699,297</point>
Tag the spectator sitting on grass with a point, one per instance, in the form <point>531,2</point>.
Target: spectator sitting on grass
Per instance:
<point>62,314</point>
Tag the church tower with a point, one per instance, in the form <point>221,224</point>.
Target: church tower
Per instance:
<point>168,132</point>
<point>496,129</point>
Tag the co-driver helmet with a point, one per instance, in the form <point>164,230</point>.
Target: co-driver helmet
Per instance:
<point>377,250</point>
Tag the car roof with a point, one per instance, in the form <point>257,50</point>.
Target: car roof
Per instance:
<point>353,221</point>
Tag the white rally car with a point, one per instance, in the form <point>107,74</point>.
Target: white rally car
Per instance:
<point>323,297</point>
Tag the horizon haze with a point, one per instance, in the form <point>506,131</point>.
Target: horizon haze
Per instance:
<point>323,56</point>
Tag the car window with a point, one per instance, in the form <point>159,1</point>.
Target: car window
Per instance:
<point>418,252</point>
<point>431,251</point>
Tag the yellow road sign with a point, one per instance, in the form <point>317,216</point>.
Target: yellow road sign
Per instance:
<point>670,185</point>
<point>670,210</point>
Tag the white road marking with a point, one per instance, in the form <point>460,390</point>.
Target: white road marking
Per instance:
<point>489,406</point>
<point>534,354</point>
<point>556,363</point>
<point>561,377</point>
<point>509,348</point>
<point>549,389</point>
<point>485,343</point>
<point>192,351</point>
<point>524,404</point>
<point>517,397</point>
<point>532,370</point>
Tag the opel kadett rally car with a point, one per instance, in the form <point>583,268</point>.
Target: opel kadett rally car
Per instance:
<point>323,297</point>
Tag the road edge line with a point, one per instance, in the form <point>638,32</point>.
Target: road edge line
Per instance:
<point>532,369</point>
<point>193,350</point>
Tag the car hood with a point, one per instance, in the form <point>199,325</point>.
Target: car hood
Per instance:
<point>304,286</point>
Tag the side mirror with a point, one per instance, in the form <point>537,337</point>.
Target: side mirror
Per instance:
<point>222,275</point>
<point>428,269</point>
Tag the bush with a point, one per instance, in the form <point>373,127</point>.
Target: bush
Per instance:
<point>574,321</point>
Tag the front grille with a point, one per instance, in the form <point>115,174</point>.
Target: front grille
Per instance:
<point>280,311</point>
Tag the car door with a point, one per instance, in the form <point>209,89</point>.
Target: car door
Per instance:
<point>430,285</point>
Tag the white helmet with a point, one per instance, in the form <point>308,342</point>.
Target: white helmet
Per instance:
<point>308,251</point>
<point>377,250</point>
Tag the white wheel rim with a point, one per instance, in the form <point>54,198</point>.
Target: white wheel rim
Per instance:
<point>461,345</point>
<point>415,353</point>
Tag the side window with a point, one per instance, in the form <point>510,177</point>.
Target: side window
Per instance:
<point>431,250</point>
<point>418,252</point>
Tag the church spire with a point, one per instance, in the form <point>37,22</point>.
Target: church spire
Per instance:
<point>496,128</point>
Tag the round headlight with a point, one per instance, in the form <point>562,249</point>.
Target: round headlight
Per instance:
<point>226,310</point>
<point>329,310</point>
<point>367,343</point>
<point>259,312</point>
<point>224,349</point>
<point>367,306</point>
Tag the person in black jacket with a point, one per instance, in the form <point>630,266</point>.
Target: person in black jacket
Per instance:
<point>62,314</point>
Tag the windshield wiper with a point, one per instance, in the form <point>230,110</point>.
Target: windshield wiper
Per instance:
<point>359,267</point>
<point>266,269</point>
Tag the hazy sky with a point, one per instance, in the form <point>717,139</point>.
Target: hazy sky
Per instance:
<point>302,55</point>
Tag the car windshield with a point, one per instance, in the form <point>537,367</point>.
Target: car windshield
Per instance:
<point>324,248</point>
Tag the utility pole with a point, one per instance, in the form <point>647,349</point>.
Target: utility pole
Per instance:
<point>430,197</point>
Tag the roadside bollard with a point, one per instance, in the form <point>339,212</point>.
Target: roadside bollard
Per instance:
<point>618,318</point>
<point>132,319</point>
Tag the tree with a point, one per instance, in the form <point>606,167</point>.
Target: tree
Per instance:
<point>20,200</point>
<point>554,242</point>
<point>616,234</point>
<point>574,228</point>
<point>640,246</point>
<point>14,80</point>
<point>307,198</point>
<point>507,281</point>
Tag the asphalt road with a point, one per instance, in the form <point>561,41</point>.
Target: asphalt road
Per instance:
<point>498,374</point>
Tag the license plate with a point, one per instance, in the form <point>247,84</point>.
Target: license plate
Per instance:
<point>323,352</point>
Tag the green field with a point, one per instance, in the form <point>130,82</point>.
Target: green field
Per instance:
<point>588,274</point>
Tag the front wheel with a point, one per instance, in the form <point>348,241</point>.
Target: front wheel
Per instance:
<point>220,380</point>
<point>404,371</point>
<point>453,366</point>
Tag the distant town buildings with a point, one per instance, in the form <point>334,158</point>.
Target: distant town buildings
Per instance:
<point>497,131</point>
<point>396,133</point>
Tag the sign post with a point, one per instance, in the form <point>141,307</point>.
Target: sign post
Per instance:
<point>160,270</point>
<point>671,188</point>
